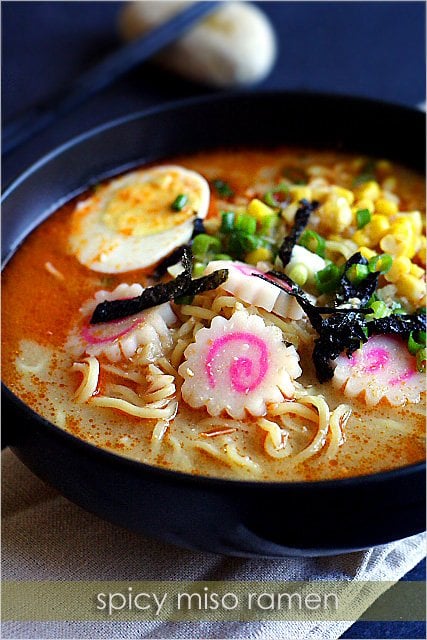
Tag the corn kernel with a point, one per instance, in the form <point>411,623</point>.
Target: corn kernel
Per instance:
<point>364,203</point>
<point>336,214</point>
<point>361,239</point>
<point>421,250</point>
<point>414,218</point>
<point>288,213</point>
<point>411,287</point>
<point>377,227</point>
<point>369,190</point>
<point>367,253</point>
<point>300,193</point>
<point>262,254</point>
<point>417,221</point>
<point>403,225</point>
<point>340,192</point>
<point>385,207</point>
<point>259,210</point>
<point>403,228</point>
<point>397,245</point>
<point>401,265</point>
<point>416,271</point>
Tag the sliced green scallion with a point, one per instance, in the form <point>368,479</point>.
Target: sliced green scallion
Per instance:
<point>417,347</point>
<point>363,216</point>
<point>379,310</point>
<point>277,197</point>
<point>180,201</point>
<point>223,256</point>
<point>421,360</point>
<point>357,272</point>
<point>198,269</point>
<point>313,242</point>
<point>246,224</point>
<point>222,188</point>
<point>416,341</point>
<point>399,310</point>
<point>371,301</point>
<point>204,244</point>
<point>328,279</point>
<point>268,223</point>
<point>227,221</point>
<point>251,242</point>
<point>381,263</point>
<point>240,243</point>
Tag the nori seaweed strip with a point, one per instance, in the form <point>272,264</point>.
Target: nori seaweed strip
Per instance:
<point>346,333</point>
<point>163,292</point>
<point>343,310</point>
<point>301,218</point>
<point>398,324</point>
<point>207,283</point>
<point>294,290</point>
<point>150,297</point>
<point>338,333</point>
<point>343,330</point>
<point>363,290</point>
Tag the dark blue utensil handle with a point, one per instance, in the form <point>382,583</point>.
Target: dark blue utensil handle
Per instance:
<point>102,75</point>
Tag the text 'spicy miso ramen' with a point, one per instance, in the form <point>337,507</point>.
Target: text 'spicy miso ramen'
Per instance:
<point>244,314</point>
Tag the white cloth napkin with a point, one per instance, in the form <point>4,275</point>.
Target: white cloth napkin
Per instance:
<point>46,537</point>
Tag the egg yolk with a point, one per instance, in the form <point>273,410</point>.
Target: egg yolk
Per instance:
<point>145,208</point>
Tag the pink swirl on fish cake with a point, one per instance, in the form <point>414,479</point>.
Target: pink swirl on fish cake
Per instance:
<point>109,331</point>
<point>245,374</point>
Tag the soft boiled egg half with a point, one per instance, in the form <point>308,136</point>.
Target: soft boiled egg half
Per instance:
<point>136,220</point>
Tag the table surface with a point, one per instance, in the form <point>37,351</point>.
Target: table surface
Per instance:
<point>371,49</point>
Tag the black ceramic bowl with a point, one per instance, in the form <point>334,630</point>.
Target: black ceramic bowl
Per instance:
<point>264,519</point>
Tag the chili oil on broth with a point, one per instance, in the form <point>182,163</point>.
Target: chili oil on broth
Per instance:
<point>38,369</point>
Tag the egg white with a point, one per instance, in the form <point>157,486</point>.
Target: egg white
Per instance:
<point>99,242</point>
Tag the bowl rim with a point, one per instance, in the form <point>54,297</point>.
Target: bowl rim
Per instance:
<point>182,104</point>
<point>216,481</point>
<point>171,474</point>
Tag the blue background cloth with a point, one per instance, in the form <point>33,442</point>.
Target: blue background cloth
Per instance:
<point>372,49</point>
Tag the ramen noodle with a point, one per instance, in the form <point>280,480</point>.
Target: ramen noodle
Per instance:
<point>242,314</point>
